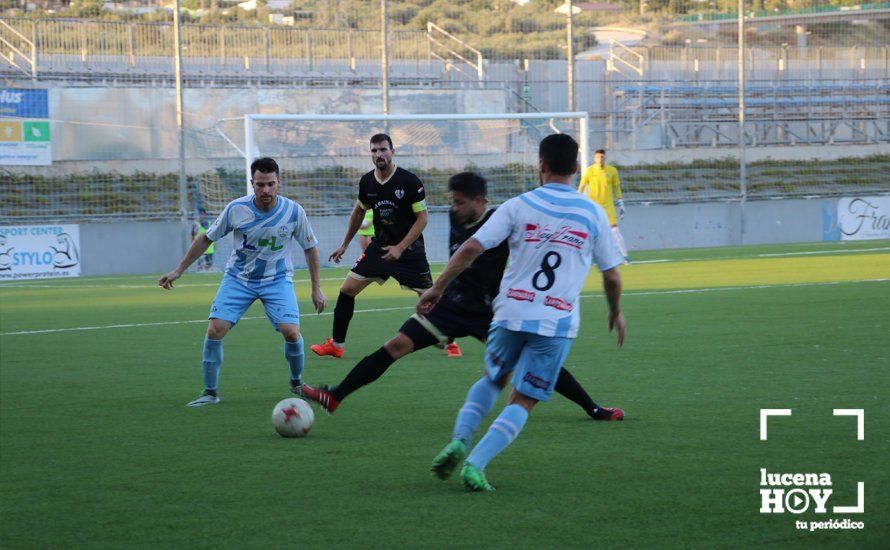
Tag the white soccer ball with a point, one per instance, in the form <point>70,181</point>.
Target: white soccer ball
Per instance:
<point>292,417</point>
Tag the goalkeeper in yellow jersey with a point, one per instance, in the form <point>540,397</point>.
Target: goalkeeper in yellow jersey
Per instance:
<point>600,182</point>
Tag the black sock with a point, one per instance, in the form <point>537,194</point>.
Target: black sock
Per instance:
<point>342,316</point>
<point>567,386</point>
<point>368,369</point>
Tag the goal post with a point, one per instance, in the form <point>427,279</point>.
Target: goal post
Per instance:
<point>501,146</point>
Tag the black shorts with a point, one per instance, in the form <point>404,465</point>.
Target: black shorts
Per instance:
<point>443,324</point>
<point>411,270</point>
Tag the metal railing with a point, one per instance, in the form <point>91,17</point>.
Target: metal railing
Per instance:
<point>22,52</point>
<point>79,46</point>
<point>788,13</point>
<point>454,52</point>
<point>622,58</point>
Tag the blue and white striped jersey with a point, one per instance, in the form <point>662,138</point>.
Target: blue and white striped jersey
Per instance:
<point>554,234</point>
<point>263,241</point>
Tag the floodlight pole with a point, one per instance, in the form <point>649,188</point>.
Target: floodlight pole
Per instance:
<point>743,188</point>
<point>248,152</point>
<point>570,53</point>
<point>384,56</point>
<point>743,161</point>
<point>180,116</point>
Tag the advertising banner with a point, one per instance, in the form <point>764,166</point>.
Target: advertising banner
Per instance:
<point>861,218</point>
<point>24,128</point>
<point>39,251</point>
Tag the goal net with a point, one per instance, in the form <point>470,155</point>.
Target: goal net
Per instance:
<point>322,157</point>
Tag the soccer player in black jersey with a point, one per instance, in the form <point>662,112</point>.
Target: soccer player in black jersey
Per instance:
<point>398,201</point>
<point>464,310</point>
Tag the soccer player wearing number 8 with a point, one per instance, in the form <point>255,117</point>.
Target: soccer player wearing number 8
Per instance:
<point>464,310</point>
<point>265,228</point>
<point>554,235</point>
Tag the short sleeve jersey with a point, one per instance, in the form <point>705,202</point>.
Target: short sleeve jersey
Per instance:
<point>395,203</point>
<point>263,241</point>
<point>603,187</point>
<point>554,234</point>
<point>474,290</point>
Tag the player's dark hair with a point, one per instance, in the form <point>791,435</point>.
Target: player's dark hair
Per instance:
<point>378,138</point>
<point>469,184</point>
<point>599,152</point>
<point>559,153</point>
<point>265,165</point>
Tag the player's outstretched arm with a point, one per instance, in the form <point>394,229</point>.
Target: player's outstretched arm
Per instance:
<point>313,262</point>
<point>196,250</point>
<point>612,287</point>
<point>355,222</point>
<point>394,252</point>
<point>461,260</point>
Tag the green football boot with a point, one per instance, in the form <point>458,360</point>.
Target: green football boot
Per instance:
<point>474,478</point>
<point>448,458</point>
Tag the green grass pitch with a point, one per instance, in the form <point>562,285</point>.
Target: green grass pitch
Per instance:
<point>98,450</point>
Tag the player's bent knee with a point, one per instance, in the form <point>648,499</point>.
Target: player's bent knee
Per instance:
<point>217,329</point>
<point>399,346</point>
<point>500,382</point>
<point>524,401</point>
<point>352,287</point>
<point>291,333</point>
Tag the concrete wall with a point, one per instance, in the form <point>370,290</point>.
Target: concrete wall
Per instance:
<point>709,224</point>
<point>122,248</point>
<point>156,247</point>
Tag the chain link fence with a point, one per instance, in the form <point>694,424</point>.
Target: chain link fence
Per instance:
<point>662,96</point>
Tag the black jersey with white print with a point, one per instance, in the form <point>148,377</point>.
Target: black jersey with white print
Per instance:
<point>395,203</point>
<point>476,287</point>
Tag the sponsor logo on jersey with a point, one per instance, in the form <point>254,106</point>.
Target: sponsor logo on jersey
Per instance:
<point>565,235</point>
<point>558,303</point>
<point>519,294</point>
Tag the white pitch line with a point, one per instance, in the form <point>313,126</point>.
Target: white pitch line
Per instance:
<point>379,310</point>
<point>68,284</point>
<point>75,286</point>
<point>755,256</point>
<point>852,251</point>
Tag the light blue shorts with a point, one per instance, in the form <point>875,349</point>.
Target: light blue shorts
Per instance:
<point>534,360</point>
<point>234,298</point>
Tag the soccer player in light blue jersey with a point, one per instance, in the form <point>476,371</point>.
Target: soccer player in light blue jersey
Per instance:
<point>266,226</point>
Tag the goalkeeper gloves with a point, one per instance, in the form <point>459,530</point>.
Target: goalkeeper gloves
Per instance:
<point>621,210</point>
